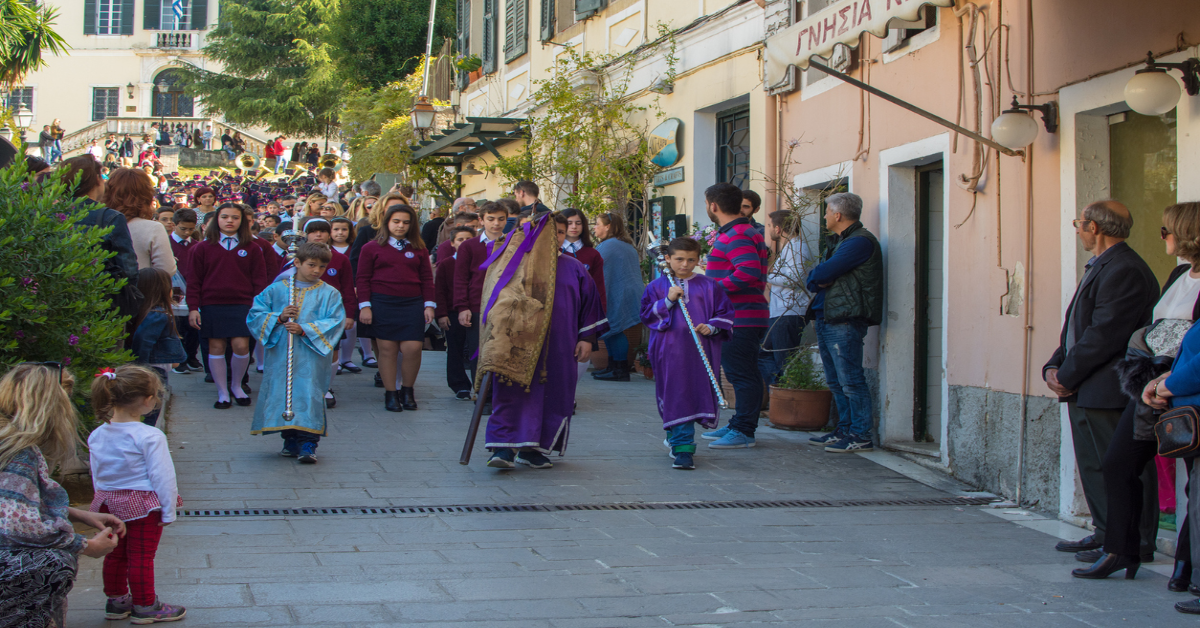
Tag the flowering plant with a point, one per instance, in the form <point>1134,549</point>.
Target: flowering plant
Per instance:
<point>54,293</point>
<point>706,236</point>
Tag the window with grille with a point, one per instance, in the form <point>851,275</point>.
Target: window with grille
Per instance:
<point>20,96</point>
<point>105,102</point>
<point>168,18</point>
<point>733,148</point>
<point>108,18</point>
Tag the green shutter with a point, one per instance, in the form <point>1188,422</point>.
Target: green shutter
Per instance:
<point>463,42</point>
<point>199,15</point>
<point>488,54</point>
<point>152,15</point>
<point>126,17</point>
<point>587,8</point>
<point>516,29</point>
<point>548,7</point>
<point>89,17</point>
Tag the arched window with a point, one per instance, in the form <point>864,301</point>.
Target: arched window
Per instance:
<point>172,103</point>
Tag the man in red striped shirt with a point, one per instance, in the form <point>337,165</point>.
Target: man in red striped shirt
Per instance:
<point>739,263</point>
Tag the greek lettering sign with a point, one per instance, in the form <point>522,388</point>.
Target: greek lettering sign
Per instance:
<point>841,22</point>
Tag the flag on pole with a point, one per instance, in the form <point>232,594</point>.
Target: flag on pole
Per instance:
<point>177,8</point>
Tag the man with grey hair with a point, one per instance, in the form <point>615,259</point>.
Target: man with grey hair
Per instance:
<point>371,188</point>
<point>1115,297</point>
<point>847,288</point>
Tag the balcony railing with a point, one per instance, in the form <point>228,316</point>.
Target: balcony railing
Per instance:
<point>174,40</point>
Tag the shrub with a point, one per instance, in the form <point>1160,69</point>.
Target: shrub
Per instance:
<point>801,372</point>
<point>55,298</point>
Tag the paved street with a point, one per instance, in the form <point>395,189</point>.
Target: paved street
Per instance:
<point>826,564</point>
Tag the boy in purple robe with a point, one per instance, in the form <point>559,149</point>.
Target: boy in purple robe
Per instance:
<point>529,422</point>
<point>681,383</point>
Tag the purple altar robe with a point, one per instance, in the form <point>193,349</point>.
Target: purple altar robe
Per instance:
<point>680,380</point>
<point>540,419</point>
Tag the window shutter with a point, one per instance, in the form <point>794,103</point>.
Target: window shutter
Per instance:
<point>488,54</point>
<point>199,15</point>
<point>516,29</point>
<point>152,16</point>
<point>89,17</point>
<point>463,42</point>
<point>547,17</point>
<point>126,17</point>
<point>587,8</point>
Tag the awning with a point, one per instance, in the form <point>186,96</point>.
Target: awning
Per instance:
<point>470,139</point>
<point>839,23</point>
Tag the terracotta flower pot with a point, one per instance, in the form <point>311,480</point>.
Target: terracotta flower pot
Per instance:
<point>800,409</point>
<point>648,373</point>
<point>600,357</point>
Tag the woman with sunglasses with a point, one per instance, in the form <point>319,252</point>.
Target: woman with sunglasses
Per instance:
<point>1125,463</point>
<point>39,550</point>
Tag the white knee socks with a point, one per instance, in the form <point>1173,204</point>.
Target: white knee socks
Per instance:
<point>239,364</point>
<point>365,343</point>
<point>346,354</point>
<point>218,368</point>
<point>259,357</point>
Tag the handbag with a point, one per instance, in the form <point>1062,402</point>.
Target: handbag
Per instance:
<point>1178,432</point>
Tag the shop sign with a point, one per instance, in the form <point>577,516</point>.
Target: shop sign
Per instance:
<point>842,22</point>
<point>667,177</point>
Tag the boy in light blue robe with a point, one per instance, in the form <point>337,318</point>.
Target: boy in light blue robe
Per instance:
<point>315,323</point>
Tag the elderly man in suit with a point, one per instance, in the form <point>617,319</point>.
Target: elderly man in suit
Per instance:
<point>1115,298</point>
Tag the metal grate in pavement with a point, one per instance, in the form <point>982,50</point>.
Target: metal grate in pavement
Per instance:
<point>493,508</point>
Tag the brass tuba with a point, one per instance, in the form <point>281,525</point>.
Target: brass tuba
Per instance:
<point>247,161</point>
<point>331,160</point>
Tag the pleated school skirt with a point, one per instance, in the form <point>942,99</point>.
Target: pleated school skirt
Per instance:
<point>397,319</point>
<point>224,321</point>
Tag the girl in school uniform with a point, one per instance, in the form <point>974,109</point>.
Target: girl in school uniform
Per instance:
<point>579,245</point>
<point>395,294</point>
<point>343,234</point>
<point>226,272</point>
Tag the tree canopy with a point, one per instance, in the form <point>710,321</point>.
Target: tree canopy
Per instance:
<point>377,42</point>
<point>25,34</point>
<point>277,66</point>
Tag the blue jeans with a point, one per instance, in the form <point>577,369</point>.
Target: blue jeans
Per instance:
<point>842,356</point>
<point>739,359</point>
<point>681,434</point>
<point>617,344</point>
<point>783,338</point>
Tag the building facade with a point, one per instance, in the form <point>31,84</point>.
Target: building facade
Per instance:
<point>981,257</point>
<point>120,72</point>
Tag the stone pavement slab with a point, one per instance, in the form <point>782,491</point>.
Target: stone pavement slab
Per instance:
<point>880,565</point>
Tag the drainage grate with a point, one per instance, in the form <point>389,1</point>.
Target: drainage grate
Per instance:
<point>442,510</point>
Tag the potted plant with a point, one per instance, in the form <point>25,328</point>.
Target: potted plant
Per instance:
<point>647,370</point>
<point>800,400</point>
<point>468,63</point>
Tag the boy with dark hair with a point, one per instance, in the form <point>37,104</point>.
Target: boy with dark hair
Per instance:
<point>316,323</point>
<point>181,242</point>
<point>526,195</point>
<point>456,334</point>
<point>738,262</point>
<point>468,276</point>
<point>685,394</point>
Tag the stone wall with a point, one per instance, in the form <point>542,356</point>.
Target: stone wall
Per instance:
<point>984,430</point>
<point>191,158</point>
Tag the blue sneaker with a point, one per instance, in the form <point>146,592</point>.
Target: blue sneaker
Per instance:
<point>733,439</point>
<point>308,453</point>
<point>850,444</point>
<point>683,460</point>
<point>715,434</point>
<point>827,439</point>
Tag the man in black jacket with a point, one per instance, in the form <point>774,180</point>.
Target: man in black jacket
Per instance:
<point>1115,298</point>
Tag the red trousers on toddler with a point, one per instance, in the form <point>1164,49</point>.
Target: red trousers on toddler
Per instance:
<point>130,567</point>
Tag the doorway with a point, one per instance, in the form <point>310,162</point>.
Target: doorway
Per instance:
<point>928,354</point>
<point>1144,175</point>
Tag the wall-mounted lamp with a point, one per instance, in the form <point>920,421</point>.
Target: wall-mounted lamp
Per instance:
<point>1153,92</point>
<point>1017,129</point>
<point>129,90</point>
<point>423,115</point>
<point>662,86</point>
<point>471,171</point>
